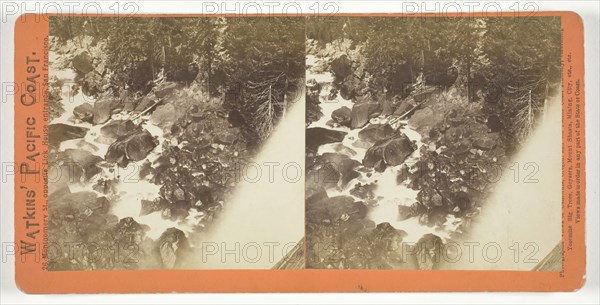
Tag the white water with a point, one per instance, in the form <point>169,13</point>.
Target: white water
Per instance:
<point>131,189</point>
<point>265,217</point>
<point>390,194</point>
<point>523,217</point>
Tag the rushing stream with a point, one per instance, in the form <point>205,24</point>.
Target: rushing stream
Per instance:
<point>390,194</point>
<point>131,190</point>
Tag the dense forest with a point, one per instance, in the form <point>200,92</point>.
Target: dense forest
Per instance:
<point>506,64</point>
<point>474,90</point>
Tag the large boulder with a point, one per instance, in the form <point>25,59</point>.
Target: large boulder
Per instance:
<point>58,133</point>
<point>342,116</point>
<point>423,120</point>
<point>145,103</point>
<point>332,170</point>
<point>389,152</point>
<point>362,112</point>
<point>376,132</point>
<point>132,147</point>
<point>341,67</point>
<point>82,63</point>
<point>404,107</point>
<point>102,111</point>
<point>318,136</point>
<point>165,116</point>
<point>114,130</point>
<point>351,87</point>
<point>84,112</point>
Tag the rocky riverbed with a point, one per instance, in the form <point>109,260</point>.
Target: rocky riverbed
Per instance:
<point>131,177</point>
<point>387,176</point>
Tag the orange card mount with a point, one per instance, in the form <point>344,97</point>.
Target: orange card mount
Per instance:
<point>166,153</point>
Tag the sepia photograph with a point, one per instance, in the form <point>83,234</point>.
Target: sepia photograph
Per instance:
<point>431,143</point>
<point>162,135</point>
<point>311,142</point>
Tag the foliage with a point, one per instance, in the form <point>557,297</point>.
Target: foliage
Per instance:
<point>524,71</point>
<point>269,59</point>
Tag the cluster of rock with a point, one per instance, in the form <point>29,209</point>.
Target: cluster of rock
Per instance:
<point>460,160</point>
<point>461,152</point>
<point>196,171</point>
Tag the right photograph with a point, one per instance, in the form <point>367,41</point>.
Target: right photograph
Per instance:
<point>434,143</point>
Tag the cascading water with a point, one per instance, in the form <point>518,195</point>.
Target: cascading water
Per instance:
<point>522,221</point>
<point>265,218</point>
<point>390,194</point>
<point>130,189</point>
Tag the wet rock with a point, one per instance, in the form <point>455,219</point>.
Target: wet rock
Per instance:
<point>362,144</point>
<point>403,174</point>
<point>351,87</point>
<point>341,67</point>
<point>318,136</point>
<point>102,111</point>
<point>173,248</point>
<point>362,112</point>
<point>331,169</point>
<point>389,152</point>
<point>82,63</point>
<point>364,191</point>
<point>404,107</point>
<point>387,106</point>
<point>342,116</point>
<point>165,89</point>
<point>405,212</point>
<point>376,132</point>
<point>132,147</point>
<point>145,103</point>
<point>164,116</point>
<point>151,206</point>
<point>58,133</point>
<point>114,130</point>
<point>84,112</point>
<point>423,120</point>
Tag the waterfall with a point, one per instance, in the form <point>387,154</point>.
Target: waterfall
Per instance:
<point>523,217</point>
<point>265,218</point>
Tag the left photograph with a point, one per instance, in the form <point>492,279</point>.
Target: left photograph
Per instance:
<point>176,143</point>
